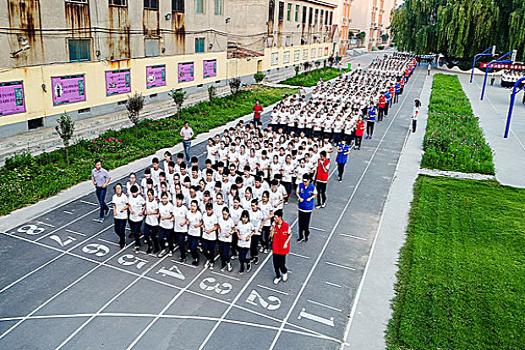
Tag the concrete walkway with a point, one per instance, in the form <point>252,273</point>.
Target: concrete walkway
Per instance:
<point>371,311</point>
<point>509,154</point>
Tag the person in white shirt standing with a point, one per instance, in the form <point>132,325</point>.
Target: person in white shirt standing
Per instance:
<point>120,213</point>
<point>165,225</point>
<point>187,134</point>
<point>226,231</point>
<point>136,214</point>
<point>180,224</point>
<point>209,235</point>
<point>151,226</point>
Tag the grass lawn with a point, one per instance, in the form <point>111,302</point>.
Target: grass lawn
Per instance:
<point>25,179</point>
<point>461,280</point>
<point>453,139</point>
<point>312,77</point>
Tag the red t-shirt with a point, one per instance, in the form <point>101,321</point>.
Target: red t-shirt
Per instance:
<point>280,236</point>
<point>360,128</point>
<point>382,101</point>
<point>257,111</point>
<point>322,175</point>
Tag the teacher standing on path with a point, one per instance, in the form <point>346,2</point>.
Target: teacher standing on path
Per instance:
<point>101,180</point>
<point>187,134</point>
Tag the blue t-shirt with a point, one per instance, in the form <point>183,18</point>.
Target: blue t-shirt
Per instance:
<point>371,114</point>
<point>342,158</point>
<point>388,97</point>
<point>305,193</point>
<point>398,87</point>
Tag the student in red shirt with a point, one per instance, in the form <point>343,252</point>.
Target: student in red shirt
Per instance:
<point>257,110</point>
<point>280,246</point>
<point>381,106</point>
<point>359,132</point>
<point>321,178</point>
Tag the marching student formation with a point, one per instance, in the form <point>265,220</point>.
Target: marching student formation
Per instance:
<point>235,203</point>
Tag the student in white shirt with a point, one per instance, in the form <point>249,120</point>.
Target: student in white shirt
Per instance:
<point>256,219</point>
<point>165,225</point>
<point>286,173</point>
<point>267,211</point>
<point>136,214</point>
<point>120,214</point>
<point>194,217</point>
<point>209,235</point>
<point>155,171</point>
<point>132,181</point>
<point>151,225</point>
<point>226,232</point>
<point>180,224</point>
<point>244,234</point>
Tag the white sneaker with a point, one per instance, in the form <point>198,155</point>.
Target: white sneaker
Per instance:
<point>211,266</point>
<point>265,251</point>
<point>324,205</point>
<point>230,268</point>
<point>206,264</point>
<point>261,249</point>
<point>276,280</point>
<point>285,277</point>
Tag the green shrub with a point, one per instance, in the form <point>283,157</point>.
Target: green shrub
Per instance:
<point>311,78</point>
<point>259,77</point>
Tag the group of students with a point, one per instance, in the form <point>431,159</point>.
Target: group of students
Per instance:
<point>510,77</point>
<point>236,201</point>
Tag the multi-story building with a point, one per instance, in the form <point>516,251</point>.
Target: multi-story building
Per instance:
<point>373,18</point>
<point>343,20</point>
<point>86,57</point>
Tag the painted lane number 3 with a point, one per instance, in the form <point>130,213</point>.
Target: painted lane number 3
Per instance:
<point>211,284</point>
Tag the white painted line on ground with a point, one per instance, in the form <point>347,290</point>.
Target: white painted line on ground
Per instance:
<point>300,256</point>
<point>323,305</point>
<point>272,290</point>
<point>318,229</point>
<point>66,225</point>
<point>274,342</point>
<point>341,266</point>
<point>76,233</point>
<point>109,242</point>
<point>45,224</point>
<point>334,285</point>
<point>90,203</point>
<point>184,264</point>
<point>225,276</point>
<point>351,236</point>
<point>68,212</point>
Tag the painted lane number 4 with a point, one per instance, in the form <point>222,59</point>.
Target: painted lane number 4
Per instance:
<point>273,303</point>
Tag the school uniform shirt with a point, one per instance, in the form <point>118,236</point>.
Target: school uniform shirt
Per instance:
<point>342,158</point>
<point>276,198</point>
<point>287,172</point>
<point>256,218</point>
<point>120,202</point>
<point>258,191</point>
<point>225,229</point>
<point>245,231</point>
<point>209,221</point>
<point>299,172</point>
<point>136,204</point>
<point>246,204</point>
<point>280,236</point>
<point>164,211</point>
<point>155,175</point>
<point>179,214</point>
<point>266,210</point>
<point>152,219</point>
<point>194,219</point>
<point>236,214</point>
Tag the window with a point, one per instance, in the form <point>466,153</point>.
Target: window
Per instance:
<point>316,17</point>
<point>199,6</point>
<point>310,16</point>
<point>331,17</point>
<point>289,12</point>
<point>218,7</point>
<point>78,1</point>
<point>199,45</point>
<point>281,11</point>
<point>118,2</point>
<point>322,16</point>
<point>297,7</point>
<point>305,11</point>
<point>177,6</point>
<point>79,50</point>
<point>151,47</point>
<point>151,4</point>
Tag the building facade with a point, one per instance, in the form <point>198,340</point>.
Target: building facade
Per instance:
<point>85,57</point>
<point>373,18</point>
<point>343,21</point>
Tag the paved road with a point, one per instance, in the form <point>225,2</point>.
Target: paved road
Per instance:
<point>66,285</point>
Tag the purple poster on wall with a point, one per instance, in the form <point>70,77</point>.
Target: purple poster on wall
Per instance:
<point>12,98</point>
<point>210,68</point>
<point>68,89</point>
<point>186,72</point>
<point>155,76</point>
<point>118,82</point>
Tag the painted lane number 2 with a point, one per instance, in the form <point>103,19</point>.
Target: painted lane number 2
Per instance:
<point>273,303</point>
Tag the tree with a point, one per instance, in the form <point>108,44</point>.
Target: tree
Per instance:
<point>235,85</point>
<point>212,91</point>
<point>134,105</point>
<point>65,129</point>
<point>297,69</point>
<point>306,66</point>
<point>258,77</point>
<point>178,97</point>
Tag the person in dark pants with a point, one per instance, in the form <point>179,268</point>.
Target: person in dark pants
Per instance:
<point>280,246</point>
<point>187,134</point>
<point>257,110</point>
<point>321,178</point>
<point>371,121</point>
<point>151,226</point>
<point>136,214</point>
<point>180,224</point>
<point>343,150</point>
<point>306,194</point>
<point>209,235</point>
<point>120,214</point>
<point>415,114</point>
<point>359,132</point>
<point>101,180</point>
<point>245,232</point>
<point>165,225</point>
<point>226,231</point>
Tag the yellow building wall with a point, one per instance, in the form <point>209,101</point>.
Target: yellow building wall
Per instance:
<point>38,88</point>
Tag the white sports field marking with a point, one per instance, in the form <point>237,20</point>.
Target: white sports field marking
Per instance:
<point>87,273</point>
<point>335,226</point>
<point>300,256</point>
<point>62,253</point>
<point>372,249</point>
<point>334,285</point>
<point>323,305</point>
<point>317,229</point>
<point>184,264</point>
<point>68,212</point>
<point>225,276</point>
<point>66,225</point>
<point>341,266</point>
<point>45,224</point>
<point>351,236</point>
<point>76,233</point>
<point>109,242</point>
<point>90,203</point>
<point>272,290</point>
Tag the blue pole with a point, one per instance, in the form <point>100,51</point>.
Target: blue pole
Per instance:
<point>475,59</point>
<point>499,60</point>
<point>485,82</point>
<point>473,65</point>
<point>515,90</point>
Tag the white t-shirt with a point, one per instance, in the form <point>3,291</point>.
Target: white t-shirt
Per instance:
<point>245,231</point>
<point>256,218</point>
<point>288,172</point>
<point>187,133</point>
<point>179,214</point>
<point>152,219</point>
<point>226,227</point>
<point>136,204</point>
<point>236,214</point>
<point>276,198</point>
<point>166,211</point>
<point>194,219</point>
<point>120,202</point>
<point>266,209</point>
<point>208,224</point>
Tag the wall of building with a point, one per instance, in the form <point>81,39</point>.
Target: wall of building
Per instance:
<point>343,21</point>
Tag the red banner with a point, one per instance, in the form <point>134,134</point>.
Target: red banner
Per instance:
<point>513,66</point>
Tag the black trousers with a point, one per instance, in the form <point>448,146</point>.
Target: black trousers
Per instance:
<point>150,236</point>
<point>180,237</point>
<point>193,243</point>
<point>414,124</point>
<point>370,128</point>
<point>358,140</point>
<point>396,97</point>
<point>340,169</point>
<point>288,187</point>
<point>120,230</point>
<point>166,238</point>
<point>321,193</point>
<point>380,114</point>
<point>243,252</point>
<point>304,224</point>
<point>265,237</point>
<point>386,108</point>
<point>209,250</point>
<point>135,231</point>
<point>224,251</point>
<point>254,245</point>
<point>279,264</point>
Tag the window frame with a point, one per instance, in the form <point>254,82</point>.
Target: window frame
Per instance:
<point>289,11</point>
<point>150,4</point>
<point>203,9</point>
<point>280,12</point>
<point>178,6</point>
<point>157,50</point>
<point>203,40</point>
<point>297,10</point>
<point>220,7</point>
<point>79,59</point>
<point>112,3</point>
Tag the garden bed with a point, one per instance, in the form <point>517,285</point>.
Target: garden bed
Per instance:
<point>454,140</point>
<point>461,279</point>
<point>311,78</point>
<point>25,179</point>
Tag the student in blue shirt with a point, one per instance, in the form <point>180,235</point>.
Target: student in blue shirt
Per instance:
<point>306,194</point>
<point>371,120</point>
<point>343,150</point>
<point>388,103</point>
<point>398,91</point>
